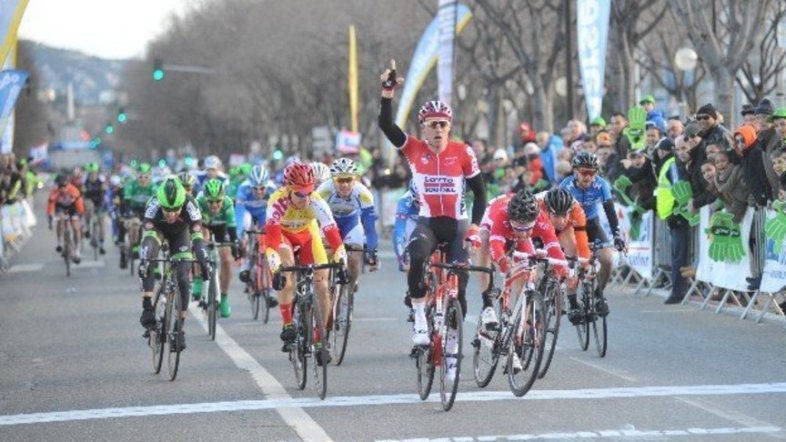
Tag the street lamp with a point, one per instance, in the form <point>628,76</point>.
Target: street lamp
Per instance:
<point>686,60</point>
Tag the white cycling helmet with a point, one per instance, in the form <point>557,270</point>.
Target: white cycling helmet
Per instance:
<point>212,162</point>
<point>258,176</point>
<point>343,167</point>
<point>321,171</point>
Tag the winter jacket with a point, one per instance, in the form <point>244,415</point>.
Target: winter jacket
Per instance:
<point>733,191</point>
<point>752,163</point>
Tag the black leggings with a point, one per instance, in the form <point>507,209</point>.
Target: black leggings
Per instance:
<point>149,250</point>
<point>427,235</point>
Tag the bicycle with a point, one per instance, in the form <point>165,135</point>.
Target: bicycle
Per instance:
<point>310,329</point>
<point>210,307</point>
<point>65,225</point>
<point>342,300</point>
<point>520,333</point>
<point>258,287</point>
<point>169,320</point>
<point>93,228</point>
<point>550,287</point>
<point>591,306</point>
<point>445,317</point>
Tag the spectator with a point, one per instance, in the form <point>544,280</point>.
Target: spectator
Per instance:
<point>653,116</point>
<point>768,141</point>
<point>640,171</point>
<point>549,145</point>
<point>621,143</point>
<point>596,125</point>
<point>711,131</point>
<point>526,134</point>
<point>748,113</point>
<point>577,130</point>
<point>692,156</point>
<point>668,174</point>
<point>752,163</point>
<point>730,185</point>
<point>653,135</point>
<point>674,128</point>
<point>609,165</point>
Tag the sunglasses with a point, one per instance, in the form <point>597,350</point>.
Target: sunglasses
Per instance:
<point>212,201</point>
<point>520,228</point>
<point>172,211</point>
<point>144,177</point>
<point>436,124</point>
<point>344,180</point>
<point>301,194</point>
<point>703,117</point>
<point>587,172</point>
<point>259,188</point>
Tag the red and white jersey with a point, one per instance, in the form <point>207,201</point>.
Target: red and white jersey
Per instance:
<point>440,179</point>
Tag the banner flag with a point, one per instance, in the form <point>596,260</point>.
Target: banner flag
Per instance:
<point>773,277</point>
<point>353,79</point>
<point>11,83</point>
<point>447,31</point>
<point>592,37</point>
<point>728,273</point>
<point>11,12</point>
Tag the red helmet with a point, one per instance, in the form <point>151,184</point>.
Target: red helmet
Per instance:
<point>300,176</point>
<point>435,109</point>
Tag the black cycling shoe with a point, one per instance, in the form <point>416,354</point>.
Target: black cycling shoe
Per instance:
<point>181,341</point>
<point>288,333</point>
<point>101,251</point>
<point>602,307</point>
<point>318,357</point>
<point>271,301</point>
<point>86,234</point>
<point>245,276</point>
<point>123,261</point>
<point>575,316</point>
<point>148,318</point>
<point>59,248</point>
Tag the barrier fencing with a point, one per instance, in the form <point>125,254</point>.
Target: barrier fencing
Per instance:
<point>16,222</point>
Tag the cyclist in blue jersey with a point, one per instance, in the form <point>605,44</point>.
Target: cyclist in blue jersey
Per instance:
<point>213,169</point>
<point>250,208</point>
<point>591,191</point>
<point>406,218</point>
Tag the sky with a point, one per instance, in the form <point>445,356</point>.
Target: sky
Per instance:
<point>103,28</point>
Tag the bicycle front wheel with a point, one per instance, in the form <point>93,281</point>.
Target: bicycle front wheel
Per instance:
<point>583,328</point>
<point>212,305</point>
<point>599,331</point>
<point>553,310</point>
<point>174,325</point>
<point>318,344</point>
<point>342,322</point>
<point>450,367</point>
<point>157,335</point>
<point>67,249</point>
<point>526,347</point>
<point>297,350</point>
<point>424,364</point>
<point>486,354</point>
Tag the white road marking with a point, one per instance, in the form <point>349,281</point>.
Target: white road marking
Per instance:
<point>355,319</point>
<point>90,264</point>
<point>633,433</point>
<point>731,415</point>
<point>21,268</point>
<point>289,407</point>
<point>295,417</point>
<point>618,373</point>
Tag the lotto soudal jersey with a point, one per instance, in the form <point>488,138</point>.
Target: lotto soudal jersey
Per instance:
<point>440,179</point>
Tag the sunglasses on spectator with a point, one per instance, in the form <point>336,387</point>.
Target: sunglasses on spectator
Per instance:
<point>587,172</point>
<point>344,180</point>
<point>436,124</point>
<point>703,117</point>
<point>522,228</point>
<point>302,195</point>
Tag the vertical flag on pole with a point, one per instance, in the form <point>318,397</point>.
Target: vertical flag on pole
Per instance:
<point>11,12</point>
<point>448,10</point>
<point>592,36</point>
<point>353,79</point>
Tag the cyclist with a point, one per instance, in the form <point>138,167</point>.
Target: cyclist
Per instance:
<point>213,169</point>
<point>591,190</point>
<point>66,201</point>
<point>218,216</point>
<point>173,217</point>
<point>406,219</point>
<point>321,173</point>
<point>188,181</point>
<point>250,210</point>
<point>570,223</point>
<point>510,223</point>
<point>114,203</point>
<point>441,171</point>
<point>94,191</point>
<point>353,209</point>
<point>295,214</point>
<point>136,195</point>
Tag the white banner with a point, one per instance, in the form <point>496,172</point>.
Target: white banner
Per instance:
<point>447,30</point>
<point>640,249</point>
<point>773,278</point>
<point>592,36</point>
<point>724,274</point>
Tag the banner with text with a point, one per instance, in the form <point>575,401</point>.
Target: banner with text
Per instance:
<point>592,36</point>
<point>773,277</point>
<point>729,273</point>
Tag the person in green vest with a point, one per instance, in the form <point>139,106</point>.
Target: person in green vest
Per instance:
<point>669,171</point>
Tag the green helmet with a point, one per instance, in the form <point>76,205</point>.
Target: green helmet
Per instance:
<point>245,168</point>
<point>144,168</point>
<point>214,189</point>
<point>91,167</point>
<point>171,194</point>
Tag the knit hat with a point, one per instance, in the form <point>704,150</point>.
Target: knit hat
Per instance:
<point>708,109</point>
<point>764,107</point>
<point>598,121</point>
<point>691,130</point>
<point>665,144</point>
<point>647,99</point>
<point>747,109</point>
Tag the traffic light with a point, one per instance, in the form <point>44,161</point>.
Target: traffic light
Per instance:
<point>109,129</point>
<point>278,154</point>
<point>158,69</point>
<point>121,116</point>
<point>95,142</point>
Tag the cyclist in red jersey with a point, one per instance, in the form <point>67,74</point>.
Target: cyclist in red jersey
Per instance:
<point>510,223</point>
<point>441,170</point>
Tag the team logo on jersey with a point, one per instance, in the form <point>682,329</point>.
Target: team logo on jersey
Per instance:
<point>426,158</point>
<point>440,185</point>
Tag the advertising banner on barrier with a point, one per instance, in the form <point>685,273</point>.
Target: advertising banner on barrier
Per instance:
<point>640,245</point>
<point>729,268</point>
<point>773,277</point>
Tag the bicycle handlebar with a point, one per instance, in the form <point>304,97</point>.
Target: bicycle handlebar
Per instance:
<point>256,232</point>
<point>312,267</point>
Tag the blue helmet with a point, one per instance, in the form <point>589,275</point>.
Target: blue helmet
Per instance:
<point>258,176</point>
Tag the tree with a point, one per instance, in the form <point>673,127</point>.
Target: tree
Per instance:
<point>760,79</point>
<point>32,122</point>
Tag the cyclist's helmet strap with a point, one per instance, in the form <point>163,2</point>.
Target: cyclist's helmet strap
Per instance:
<point>559,201</point>
<point>523,207</point>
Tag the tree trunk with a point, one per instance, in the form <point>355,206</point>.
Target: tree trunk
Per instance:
<point>724,95</point>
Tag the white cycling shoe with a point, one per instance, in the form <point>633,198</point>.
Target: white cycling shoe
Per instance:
<point>488,318</point>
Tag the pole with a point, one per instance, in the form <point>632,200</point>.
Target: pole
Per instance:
<point>569,57</point>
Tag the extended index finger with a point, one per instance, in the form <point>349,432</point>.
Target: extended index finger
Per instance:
<point>392,64</point>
